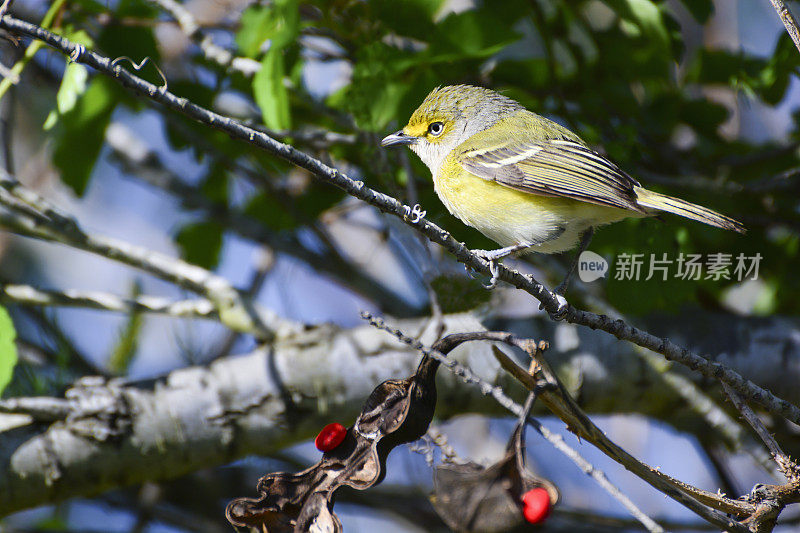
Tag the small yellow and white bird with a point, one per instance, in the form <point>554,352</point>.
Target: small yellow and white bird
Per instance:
<point>522,180</point>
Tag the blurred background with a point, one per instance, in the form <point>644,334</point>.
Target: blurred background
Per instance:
<point>695,98</point>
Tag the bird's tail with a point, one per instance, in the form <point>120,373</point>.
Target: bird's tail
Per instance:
<point>662,202</point>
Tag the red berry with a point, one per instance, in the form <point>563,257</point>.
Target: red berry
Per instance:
<point>536,505</point>
<point>330,437</point>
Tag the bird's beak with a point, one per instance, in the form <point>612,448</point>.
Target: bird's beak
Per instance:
<point>398,138</point>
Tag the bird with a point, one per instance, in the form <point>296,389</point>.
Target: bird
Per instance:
<point>523,180</point>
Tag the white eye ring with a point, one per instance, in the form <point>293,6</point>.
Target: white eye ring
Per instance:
<point>436,128</point>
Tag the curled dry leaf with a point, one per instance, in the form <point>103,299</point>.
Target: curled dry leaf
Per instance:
<point>397,411</point>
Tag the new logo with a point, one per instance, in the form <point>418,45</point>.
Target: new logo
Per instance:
<point>591,266</point>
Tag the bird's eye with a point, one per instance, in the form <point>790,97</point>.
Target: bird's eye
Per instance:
<point>436,128</point>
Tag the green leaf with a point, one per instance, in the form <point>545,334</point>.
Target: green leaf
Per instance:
<point>256,24</point>
<point>279,22</point>
<point>270,93</point>
<point>91,6</point>
<point>647,16</point>
<point>704,116</point>
<point>317,199</point>
<point>73,83</point>
<point>201,243</point>
<point>128,341</point>
<point>82,133</point>
<point>774,79</point>
<point>8,350</point>
<point>287,22</point>
<point>215,185</point>
<point>131,40</point>
<point>478,33</point>
<point>415,19</point>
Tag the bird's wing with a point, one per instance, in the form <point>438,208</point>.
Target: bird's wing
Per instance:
<point>554,167</point>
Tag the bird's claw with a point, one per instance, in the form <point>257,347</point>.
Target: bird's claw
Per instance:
<point>494,269</point>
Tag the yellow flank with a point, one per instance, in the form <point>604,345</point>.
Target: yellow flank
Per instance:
<point>508,216</point>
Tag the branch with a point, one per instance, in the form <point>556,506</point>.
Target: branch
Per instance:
<point>388,204</point>
<point>790,470</point>
<point>661,482</point>
<point>33,216</point>
<point>114,433</point>
<point>699,401</point>
<point>598,475</point>
<point>144,164</point>
<point>27,295</point>
<point>788,20</point>
<point>213,52</point>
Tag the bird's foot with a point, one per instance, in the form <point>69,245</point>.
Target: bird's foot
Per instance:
<point>493,257</point>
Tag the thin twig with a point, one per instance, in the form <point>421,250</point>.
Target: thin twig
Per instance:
<point>265,263</point>
<point>33,216</point>
<point>672,488</point>
<point>27,295</point>
<point>40,409</point>
<point>732,433</point>
<point>789,469</point>
<point>388,204</point>
<point>788,20</point>
<point>213,52</point>
<point>566,409</point>
<point>142,163</point>
<point>598,475</point>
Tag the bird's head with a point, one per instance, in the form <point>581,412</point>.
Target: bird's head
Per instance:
<point>447,117</point>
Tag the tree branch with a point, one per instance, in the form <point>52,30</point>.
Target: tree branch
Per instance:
<point>145,165</point>
<point>113,433</point>
<point>675,489</point>
<point>33,216</point>
<point>788,20</point>
<point>790,470</point>
<point>27,295</point>
<point>213,52</point>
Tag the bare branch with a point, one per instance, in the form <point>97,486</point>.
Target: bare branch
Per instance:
<point>556,440</point>
<point>33,216</point>
<point>38,408</point>
<point>790,470</point>
<point>716,417</point>
<point>599,476</point>
<point>788,20</point>
<point>27,295</point>
<point>144,164</point>
<point>213,52</point>
<point>565,408</point>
